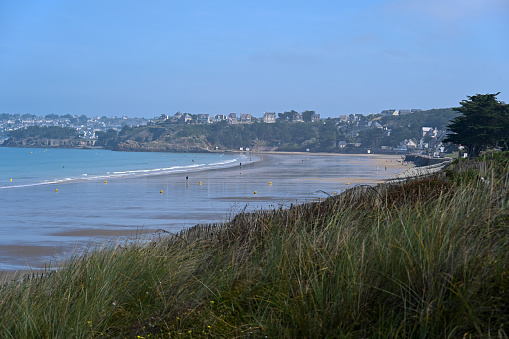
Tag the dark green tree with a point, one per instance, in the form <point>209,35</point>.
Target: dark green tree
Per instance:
<point>108,138</point>
<point>83,119</point>
<point>286,116</point>
<point>306,115</point>
<point>484,123</point>
<point>372,138</point>
<point>51,116</point>
<point>50,132</point>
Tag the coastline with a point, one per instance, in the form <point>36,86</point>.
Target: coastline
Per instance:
<point>294,178</point>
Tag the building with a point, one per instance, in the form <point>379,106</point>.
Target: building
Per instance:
<point>186,117</point>
<point>344,118</point>
<point>220,118</point>
<point>245,118</point>
<point>203,119</point>
<point>297,117</point>
<point>269,117</point>
<point>426,131</point>
<point>374,124</point>
<point>177,116</point>
<point>387,112</point>
<point>232,118</point>
<point>315,117</point>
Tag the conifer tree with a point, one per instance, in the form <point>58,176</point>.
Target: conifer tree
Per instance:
<point>484,123</point>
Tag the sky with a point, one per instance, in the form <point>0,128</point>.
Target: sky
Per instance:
<point>146,58</point>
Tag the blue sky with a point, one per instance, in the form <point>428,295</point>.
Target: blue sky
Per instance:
<point>144,58</point>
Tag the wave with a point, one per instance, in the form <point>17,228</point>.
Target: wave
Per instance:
<point>137,173</point>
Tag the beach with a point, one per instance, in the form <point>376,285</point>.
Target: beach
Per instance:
<point>41,227</point>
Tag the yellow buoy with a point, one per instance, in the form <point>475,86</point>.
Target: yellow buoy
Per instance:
<point>200,182</point>
<point>270,183</point>
<point>335,193</point>
<point>11,179</point>
<point>56,189</point>
<point>161,192</point>
<point>105,181</point>
<point>255,192</point>
<point>348,183</point>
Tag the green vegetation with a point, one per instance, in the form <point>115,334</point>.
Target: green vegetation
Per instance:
<point>284,135</point>
<point>439,118</point>
<point>50,132</point>
<point>318,136</point>
<point>287,134</point>
<point>426,258</point>
<point>484,124</point>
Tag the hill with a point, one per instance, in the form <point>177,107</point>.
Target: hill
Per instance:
<point>355,135</point>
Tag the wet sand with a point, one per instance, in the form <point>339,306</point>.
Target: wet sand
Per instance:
<point>277,179</point>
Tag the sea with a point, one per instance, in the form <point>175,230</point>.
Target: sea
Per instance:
<point>55,202</point>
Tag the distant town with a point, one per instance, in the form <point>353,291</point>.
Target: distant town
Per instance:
<point>88,126</point>
<point>354,127</point>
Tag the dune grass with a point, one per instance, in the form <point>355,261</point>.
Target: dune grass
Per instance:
<point>425,258</point>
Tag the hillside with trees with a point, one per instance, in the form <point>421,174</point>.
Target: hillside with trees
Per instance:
<point>49,136</point>
<point>284,136</point>
<point>353,134</point>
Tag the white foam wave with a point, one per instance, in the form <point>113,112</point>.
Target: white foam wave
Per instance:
<point>136,173</point>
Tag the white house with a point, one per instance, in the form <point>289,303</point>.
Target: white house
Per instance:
<point>269,117</point>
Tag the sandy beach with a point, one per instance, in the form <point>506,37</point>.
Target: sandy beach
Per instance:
<point>144,206</point>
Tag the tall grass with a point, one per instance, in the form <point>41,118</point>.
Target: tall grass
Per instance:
<point>425,258</point>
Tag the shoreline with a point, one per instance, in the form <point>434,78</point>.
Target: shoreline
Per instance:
<point>302,170</point>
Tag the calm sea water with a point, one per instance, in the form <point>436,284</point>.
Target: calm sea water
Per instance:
<point>20,167</point>
<point>58,200</point>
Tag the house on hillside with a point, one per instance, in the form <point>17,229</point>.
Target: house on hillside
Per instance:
<point>315,117</point>
<point>232,118</point>
<point>186,117</point>
<point>269,117</point>
<point>426,130</point>
<point>162,117</point>
<point>387,112</point>
<point>297,117</point>
<point>203,119</point>
<point>220,118</point>
<point>245,118</point>
<point>374,124</point>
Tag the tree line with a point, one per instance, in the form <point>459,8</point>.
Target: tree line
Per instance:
<point>46,132</point>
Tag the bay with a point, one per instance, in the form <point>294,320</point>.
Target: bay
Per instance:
<point>64,200</point>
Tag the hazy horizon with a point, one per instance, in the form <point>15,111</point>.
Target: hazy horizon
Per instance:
<point>135,59</point>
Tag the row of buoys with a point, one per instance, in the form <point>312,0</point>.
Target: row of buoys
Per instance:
<point>161,191</point>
